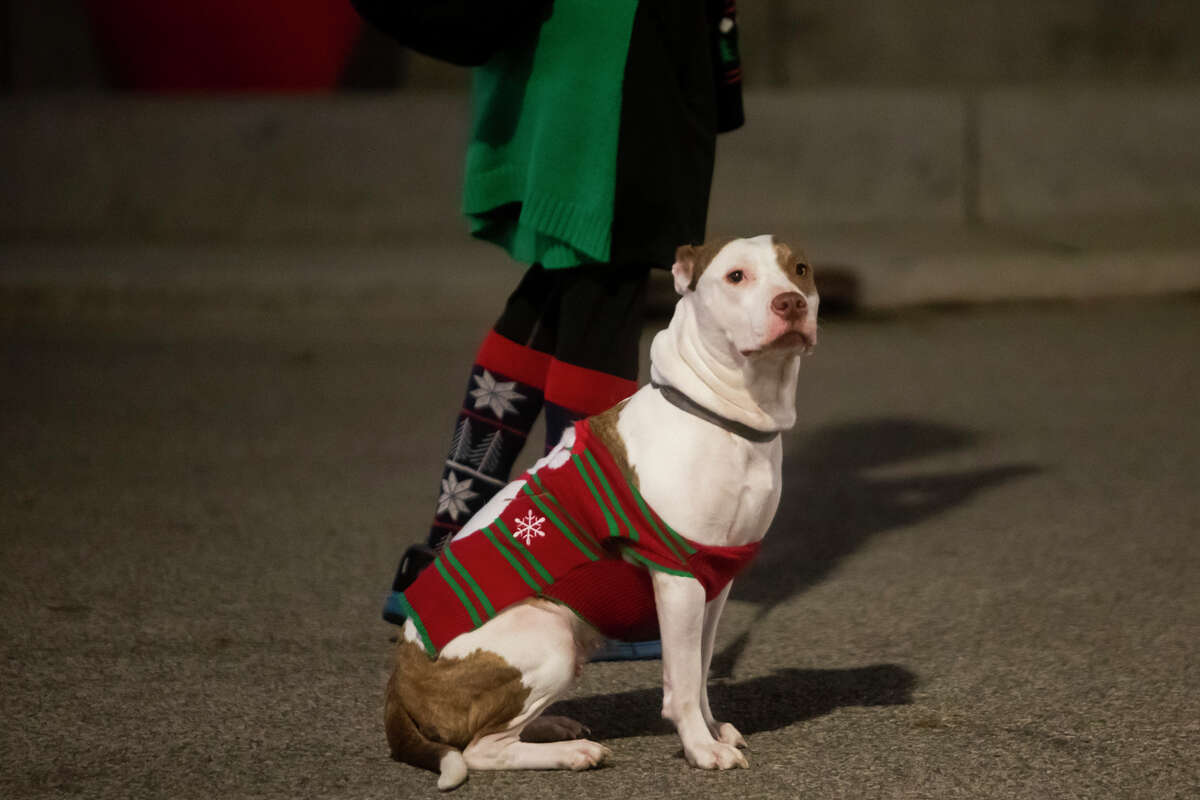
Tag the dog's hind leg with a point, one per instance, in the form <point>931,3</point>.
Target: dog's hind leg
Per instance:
<point>506,751</point>
<point>541,640</point>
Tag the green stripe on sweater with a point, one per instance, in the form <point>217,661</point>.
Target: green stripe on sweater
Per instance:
<point>575,526</point>
<point>523,550</point>
<point>638,557</point>
<point>525,576</point>
<point>453,584</point>
<point>612,522</point>
<point>633,534</point>
<point>683,543</point>
<point>466,576</point>
<point>641,504</point>
<point>565,530</point>
<point>420,626</point>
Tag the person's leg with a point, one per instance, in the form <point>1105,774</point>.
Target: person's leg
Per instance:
<point>601,309</point>
<point>501,403</point>
<point>590,319</point>
<point>595,366</point>
<point>503,398</point>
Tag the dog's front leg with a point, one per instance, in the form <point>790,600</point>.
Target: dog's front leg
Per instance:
<point>681,610</point>
<point>722,731</point>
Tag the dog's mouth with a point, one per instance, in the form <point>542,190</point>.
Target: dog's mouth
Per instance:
<point>792,339</point>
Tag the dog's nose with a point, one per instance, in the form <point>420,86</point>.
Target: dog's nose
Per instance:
<point>789,305</point>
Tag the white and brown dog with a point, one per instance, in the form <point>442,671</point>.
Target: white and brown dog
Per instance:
<point>701,444</point>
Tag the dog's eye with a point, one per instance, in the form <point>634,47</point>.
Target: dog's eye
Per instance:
<point>736,276</point>
<point>802,269</point>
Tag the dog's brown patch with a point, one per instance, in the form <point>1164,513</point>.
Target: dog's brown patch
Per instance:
<point>604,426</point>
<point>433,705</point>
<point>796,267</point>
<point>698,257</point>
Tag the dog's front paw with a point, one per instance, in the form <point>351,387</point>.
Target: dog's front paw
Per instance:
<point>585,754</point>
<point>716,755</point>
<point>725,732</point>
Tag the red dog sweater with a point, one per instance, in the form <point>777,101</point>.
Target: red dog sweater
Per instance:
<point>579,534</point>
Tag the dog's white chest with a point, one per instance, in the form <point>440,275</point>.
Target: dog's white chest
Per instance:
<point>710,485</point>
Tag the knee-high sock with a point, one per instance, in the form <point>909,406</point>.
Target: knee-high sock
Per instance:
<point>573,392</point>
<point>503,398</point>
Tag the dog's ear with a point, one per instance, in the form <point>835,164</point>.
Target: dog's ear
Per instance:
<point>683,270</point>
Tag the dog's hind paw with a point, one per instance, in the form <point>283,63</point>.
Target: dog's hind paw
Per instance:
<point>716,755</point>
<point>553,729</point>
<point>453,771</point>
<point>586,754</point>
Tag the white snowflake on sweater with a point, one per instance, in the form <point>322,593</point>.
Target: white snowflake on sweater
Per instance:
<point>455,495</point>
<point>496,396</point>
<point>529,527</point>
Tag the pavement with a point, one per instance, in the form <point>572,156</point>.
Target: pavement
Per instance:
<point>982,581</point>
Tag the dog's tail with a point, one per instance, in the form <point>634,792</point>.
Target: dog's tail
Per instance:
<point>409,745</point>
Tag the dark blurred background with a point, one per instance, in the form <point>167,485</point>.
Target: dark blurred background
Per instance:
<point>50,45</point>
<point>897,138</point>
<point>238,302</point>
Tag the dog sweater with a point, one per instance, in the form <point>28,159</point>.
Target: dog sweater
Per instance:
<point>579,534</point>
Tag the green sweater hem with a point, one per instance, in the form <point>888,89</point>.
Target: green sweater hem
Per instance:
<point>553,231</point>
<point>541,163</point>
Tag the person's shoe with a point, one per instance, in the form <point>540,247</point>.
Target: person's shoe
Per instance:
<point>415,559</point>
<point>394,609</point>
<point>613,650</point>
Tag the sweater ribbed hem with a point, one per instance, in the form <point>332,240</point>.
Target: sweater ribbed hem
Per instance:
<point>567,234</point>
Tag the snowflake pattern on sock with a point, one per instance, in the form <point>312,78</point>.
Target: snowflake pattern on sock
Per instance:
<point>496,416</point>
<point>455,496</point>
<point>496,396</point>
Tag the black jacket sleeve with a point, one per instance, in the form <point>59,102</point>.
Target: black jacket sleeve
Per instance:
<point>463,32</point>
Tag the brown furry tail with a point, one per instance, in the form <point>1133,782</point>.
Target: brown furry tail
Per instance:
<point>409,745</point>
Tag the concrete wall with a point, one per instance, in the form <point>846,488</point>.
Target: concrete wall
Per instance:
<point>943,111</point>
<point>363,167</point>
<point>960,43</point>
<point>1115,152</point>
<point>344,166</point>
<point>816,42</point>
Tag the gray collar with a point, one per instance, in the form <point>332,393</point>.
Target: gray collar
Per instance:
<point>685,403</point>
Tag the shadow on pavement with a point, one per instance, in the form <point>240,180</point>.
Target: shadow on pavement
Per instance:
<point>766,703</point>
<point>831,505</point>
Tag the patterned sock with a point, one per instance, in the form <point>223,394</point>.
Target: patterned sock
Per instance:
<point>503,398</point>
<point>574,392</point>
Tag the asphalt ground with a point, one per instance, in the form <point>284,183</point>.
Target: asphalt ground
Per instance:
<point>984,580</point>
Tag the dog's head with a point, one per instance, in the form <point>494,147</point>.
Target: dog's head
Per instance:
<point>758,292</point>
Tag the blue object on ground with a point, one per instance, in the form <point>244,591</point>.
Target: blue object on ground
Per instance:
<point>613,650</point>
<point>395,610</point>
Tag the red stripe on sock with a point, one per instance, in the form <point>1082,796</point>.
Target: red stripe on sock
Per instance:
<point>512,360</point>
<point>586,391</point>
<point>468,412</point>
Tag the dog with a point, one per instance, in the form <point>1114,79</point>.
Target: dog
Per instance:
<point>643,514</point>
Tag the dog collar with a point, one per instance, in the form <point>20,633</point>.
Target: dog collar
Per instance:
<point>685,403</point>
